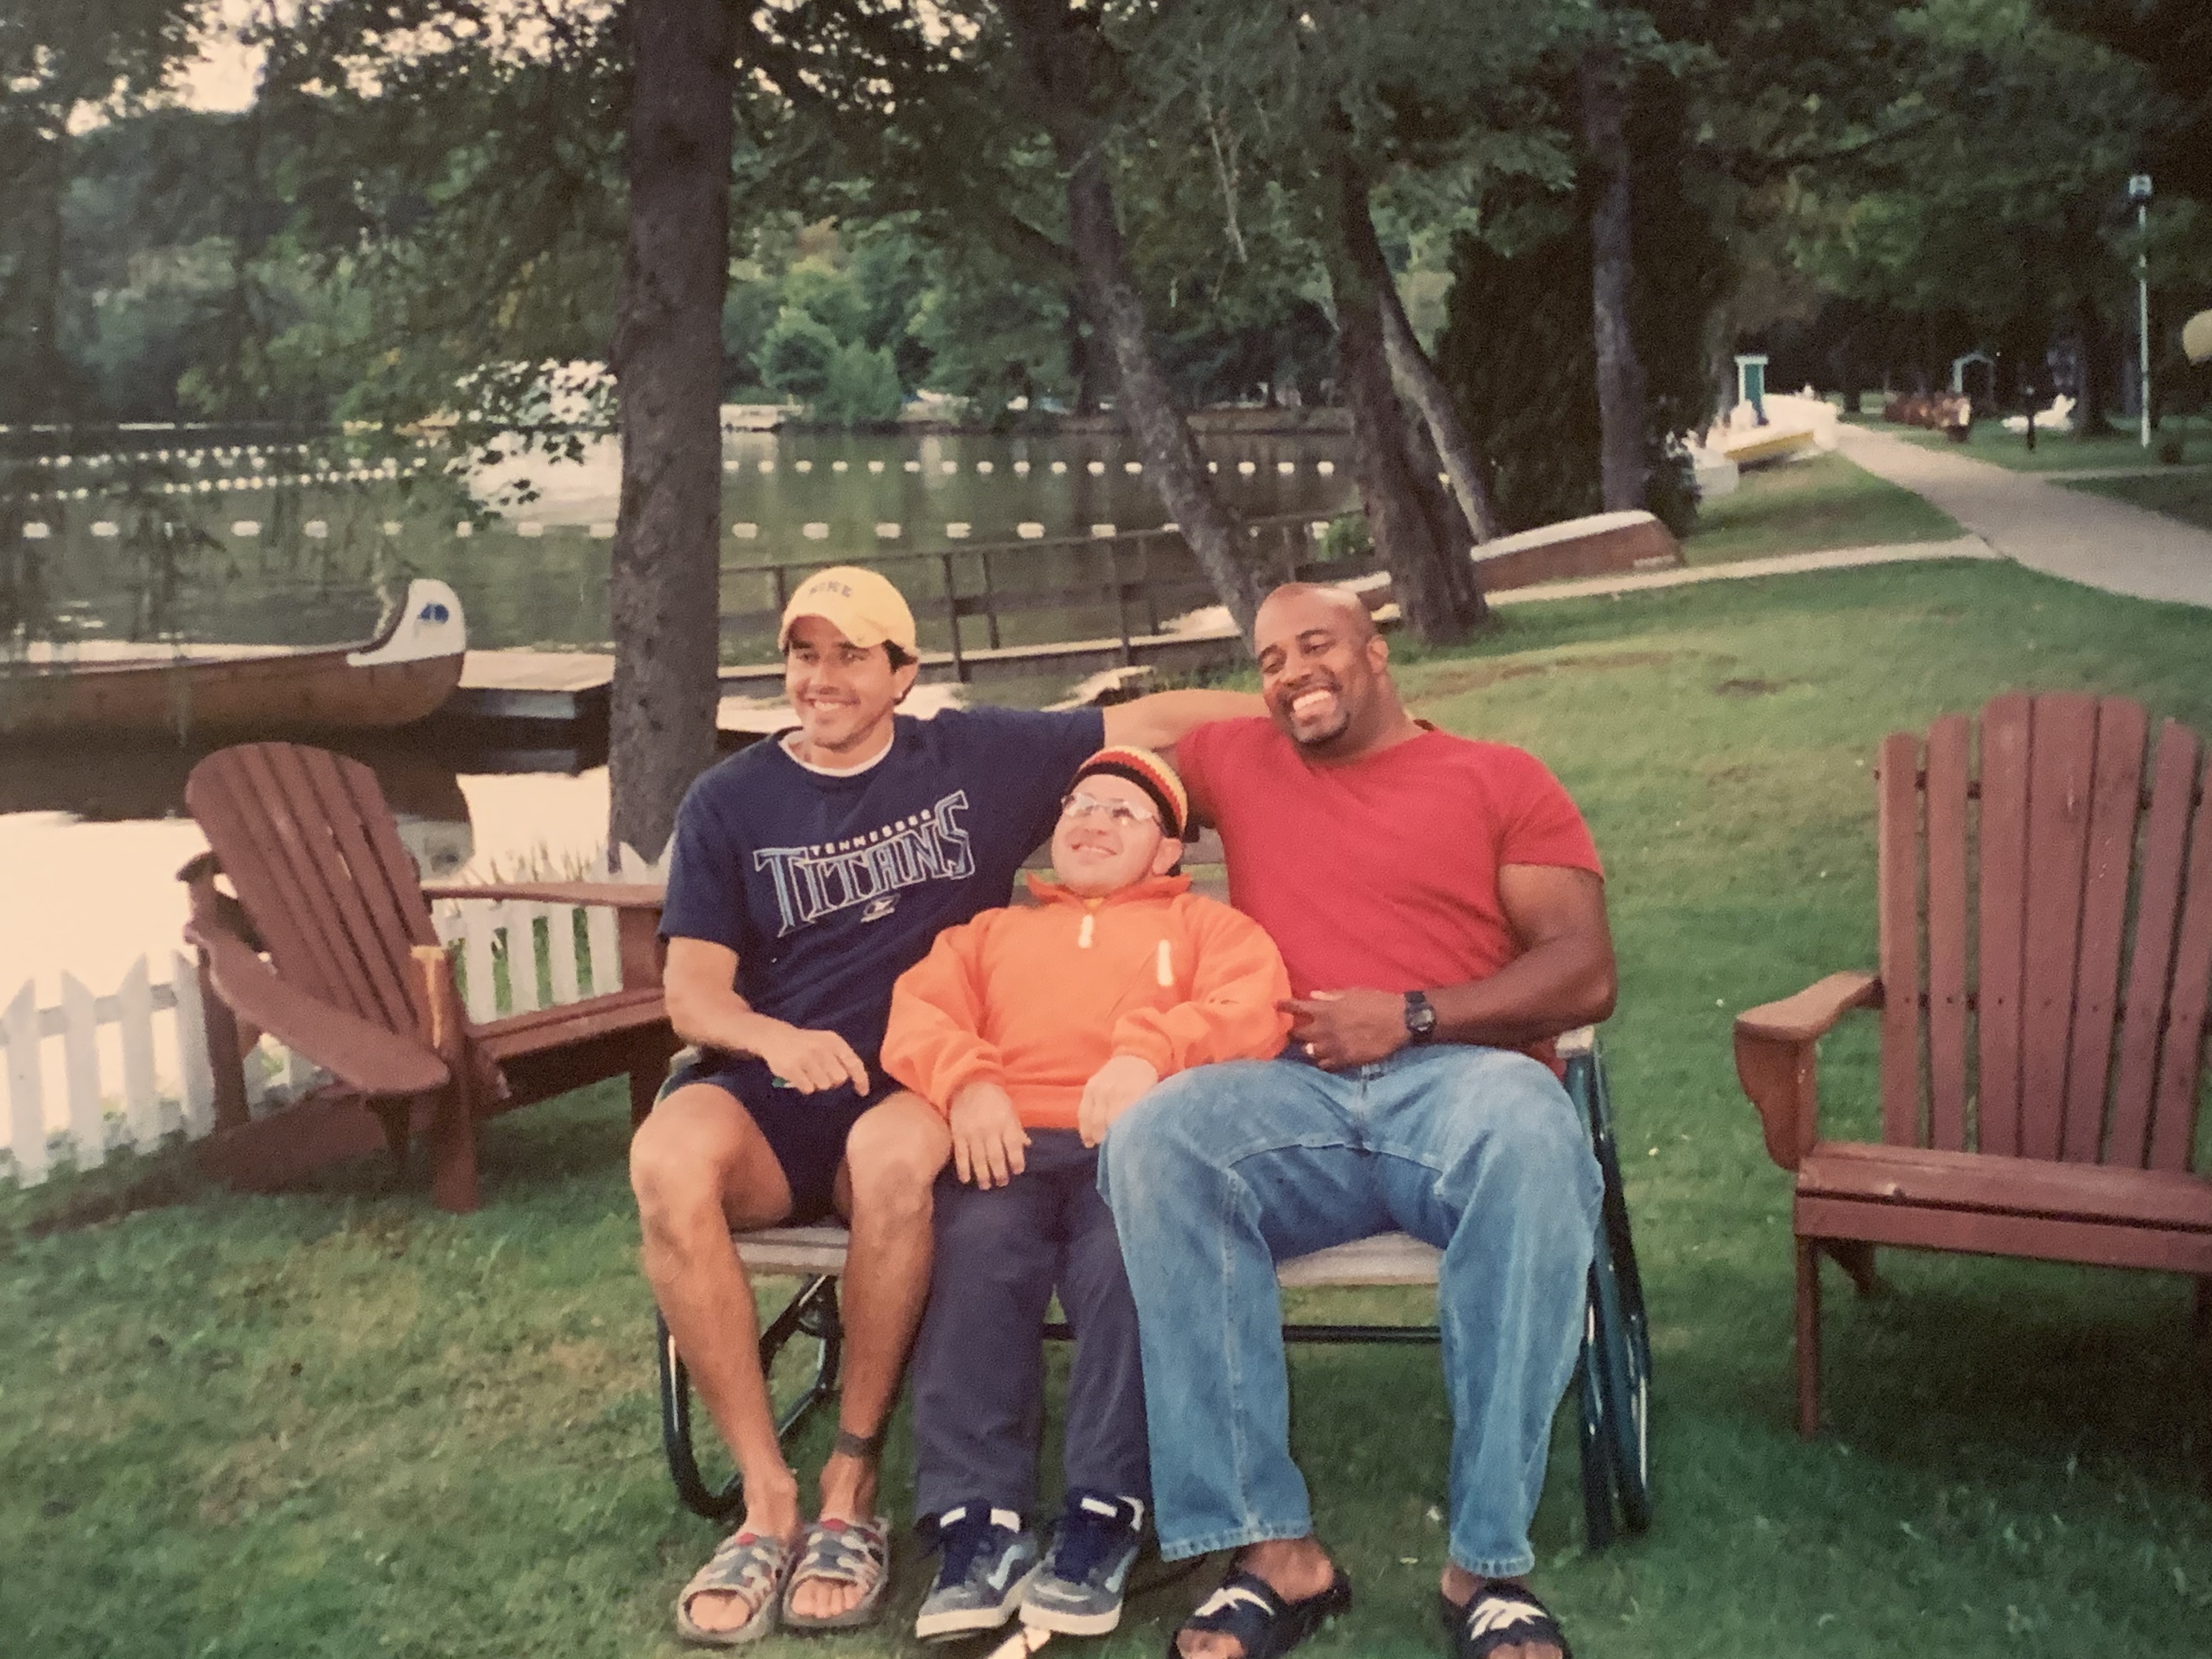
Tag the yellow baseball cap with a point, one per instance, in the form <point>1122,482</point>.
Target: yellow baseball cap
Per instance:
<point>861,604</point>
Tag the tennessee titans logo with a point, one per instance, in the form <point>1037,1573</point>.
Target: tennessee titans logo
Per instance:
<point>812,883</point>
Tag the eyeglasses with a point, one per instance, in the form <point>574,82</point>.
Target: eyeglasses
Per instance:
<point>1119,813</point>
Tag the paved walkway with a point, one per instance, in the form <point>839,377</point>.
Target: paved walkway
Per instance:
<point>1782,564</point>
<point>2084,538</point>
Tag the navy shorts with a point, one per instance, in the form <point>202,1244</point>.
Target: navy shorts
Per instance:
<point>805,1131</point>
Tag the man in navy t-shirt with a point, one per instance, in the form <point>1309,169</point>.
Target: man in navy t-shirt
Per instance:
<point>809,874</point>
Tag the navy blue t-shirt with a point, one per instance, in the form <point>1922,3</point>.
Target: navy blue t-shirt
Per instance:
<point>828,888</point>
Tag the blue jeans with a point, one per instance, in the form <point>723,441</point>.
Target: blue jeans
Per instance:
<point>1220,1172</point>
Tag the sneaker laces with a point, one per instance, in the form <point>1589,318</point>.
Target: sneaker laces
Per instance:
<point>1091,1530</point>
<point>963,1536</point>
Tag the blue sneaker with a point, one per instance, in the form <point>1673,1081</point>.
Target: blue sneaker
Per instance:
<point>986,1560</point>
<point>1078,1589</point>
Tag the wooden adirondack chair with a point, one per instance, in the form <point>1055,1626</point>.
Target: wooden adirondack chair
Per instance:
<point>355,980</point>
<point>2046,942</point>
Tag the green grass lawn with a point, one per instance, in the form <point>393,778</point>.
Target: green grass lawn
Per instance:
<point>1803,507</point>
<point>2062,451</point>
<point>340,1423</point>
<point>2186,495</point>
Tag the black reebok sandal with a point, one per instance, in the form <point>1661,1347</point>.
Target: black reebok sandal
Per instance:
<point>1499,1615</point>
<point>1267,1626</point>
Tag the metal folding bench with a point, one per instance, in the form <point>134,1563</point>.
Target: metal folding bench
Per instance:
<point>1613,1380</point>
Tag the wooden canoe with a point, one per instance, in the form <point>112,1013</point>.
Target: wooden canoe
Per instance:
<point>402,674</point>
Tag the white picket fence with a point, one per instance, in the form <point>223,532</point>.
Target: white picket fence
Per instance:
<point>93,1075</point>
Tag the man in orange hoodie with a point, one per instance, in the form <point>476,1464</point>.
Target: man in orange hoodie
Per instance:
<point>1032,1030</point>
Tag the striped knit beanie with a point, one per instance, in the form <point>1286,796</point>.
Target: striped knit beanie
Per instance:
<point>1150,773</point>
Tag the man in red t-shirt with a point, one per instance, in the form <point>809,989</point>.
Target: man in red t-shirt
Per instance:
<point>1441,908</point>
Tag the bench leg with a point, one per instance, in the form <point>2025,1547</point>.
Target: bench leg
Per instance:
<point>1856,1257</point>
<point>811,1312</point>
<point>1596,1460</point>
<point>1809,1337</point>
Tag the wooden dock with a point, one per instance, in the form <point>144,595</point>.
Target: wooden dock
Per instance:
<point>559,688</point>
<point>1136,578</point>
<point>540,691</point>
<point>1170,653</point>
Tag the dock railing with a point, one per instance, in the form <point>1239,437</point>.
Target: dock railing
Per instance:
<point>1123,585</point>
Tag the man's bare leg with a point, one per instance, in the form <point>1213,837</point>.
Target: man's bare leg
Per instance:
<point>700,1166</point>
<point>892,1159</point>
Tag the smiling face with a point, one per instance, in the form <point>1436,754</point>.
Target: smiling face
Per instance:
<point>1095,853</point>
<point>1323,670</point>
<point>843,694</point>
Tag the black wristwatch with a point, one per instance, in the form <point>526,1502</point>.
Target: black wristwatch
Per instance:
<point>1421,1018</point>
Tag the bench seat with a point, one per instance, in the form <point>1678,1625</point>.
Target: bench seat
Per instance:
<point>1386,1259</point>
<point>818,1251</point>
<point>1614,1369</point>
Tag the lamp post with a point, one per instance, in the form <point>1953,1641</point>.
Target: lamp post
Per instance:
<point>2139,193</point>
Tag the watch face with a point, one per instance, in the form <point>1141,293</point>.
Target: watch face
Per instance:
<point>1421,1018</point>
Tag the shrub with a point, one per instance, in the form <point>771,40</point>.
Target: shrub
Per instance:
<point>795,358</point>
<point>1346,538</point>
<point>860,389</point>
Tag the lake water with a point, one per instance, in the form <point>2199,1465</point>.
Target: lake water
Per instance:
<point>92,837</point>
<point>279,544</point>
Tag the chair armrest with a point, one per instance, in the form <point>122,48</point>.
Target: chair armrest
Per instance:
<point>615,895</point>
<point>209,903</point>
<point>357,1053</point>
<point>1776,1058</point>
<point>1814,1011</point>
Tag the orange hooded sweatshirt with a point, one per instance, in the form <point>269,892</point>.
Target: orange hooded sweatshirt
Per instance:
<point>1036,1001</point>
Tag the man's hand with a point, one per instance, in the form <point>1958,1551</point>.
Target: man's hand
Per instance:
<point>809,1060</point>
<point>987,1136</point>
<point>1339,1030</point>
<point>1113,1089</point>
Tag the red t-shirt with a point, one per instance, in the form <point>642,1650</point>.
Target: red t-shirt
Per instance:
<point>1380,873</point>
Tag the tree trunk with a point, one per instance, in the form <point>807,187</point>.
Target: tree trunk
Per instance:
<point>665,589</point>
<point>32,291</point>
<point>1162,435</point>
<point>1060,51</point>
<point>1620,376</point>
<point>2093,352</point>
<point>1082,357</point>
<point>1416,375</point>
<point>1417,530</point>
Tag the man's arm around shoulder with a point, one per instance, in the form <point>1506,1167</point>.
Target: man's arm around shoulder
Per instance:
<point>1163,719</point>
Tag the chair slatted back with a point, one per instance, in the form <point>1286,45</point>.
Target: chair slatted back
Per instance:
<point>2046,933</point>
<point>308,842</point>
